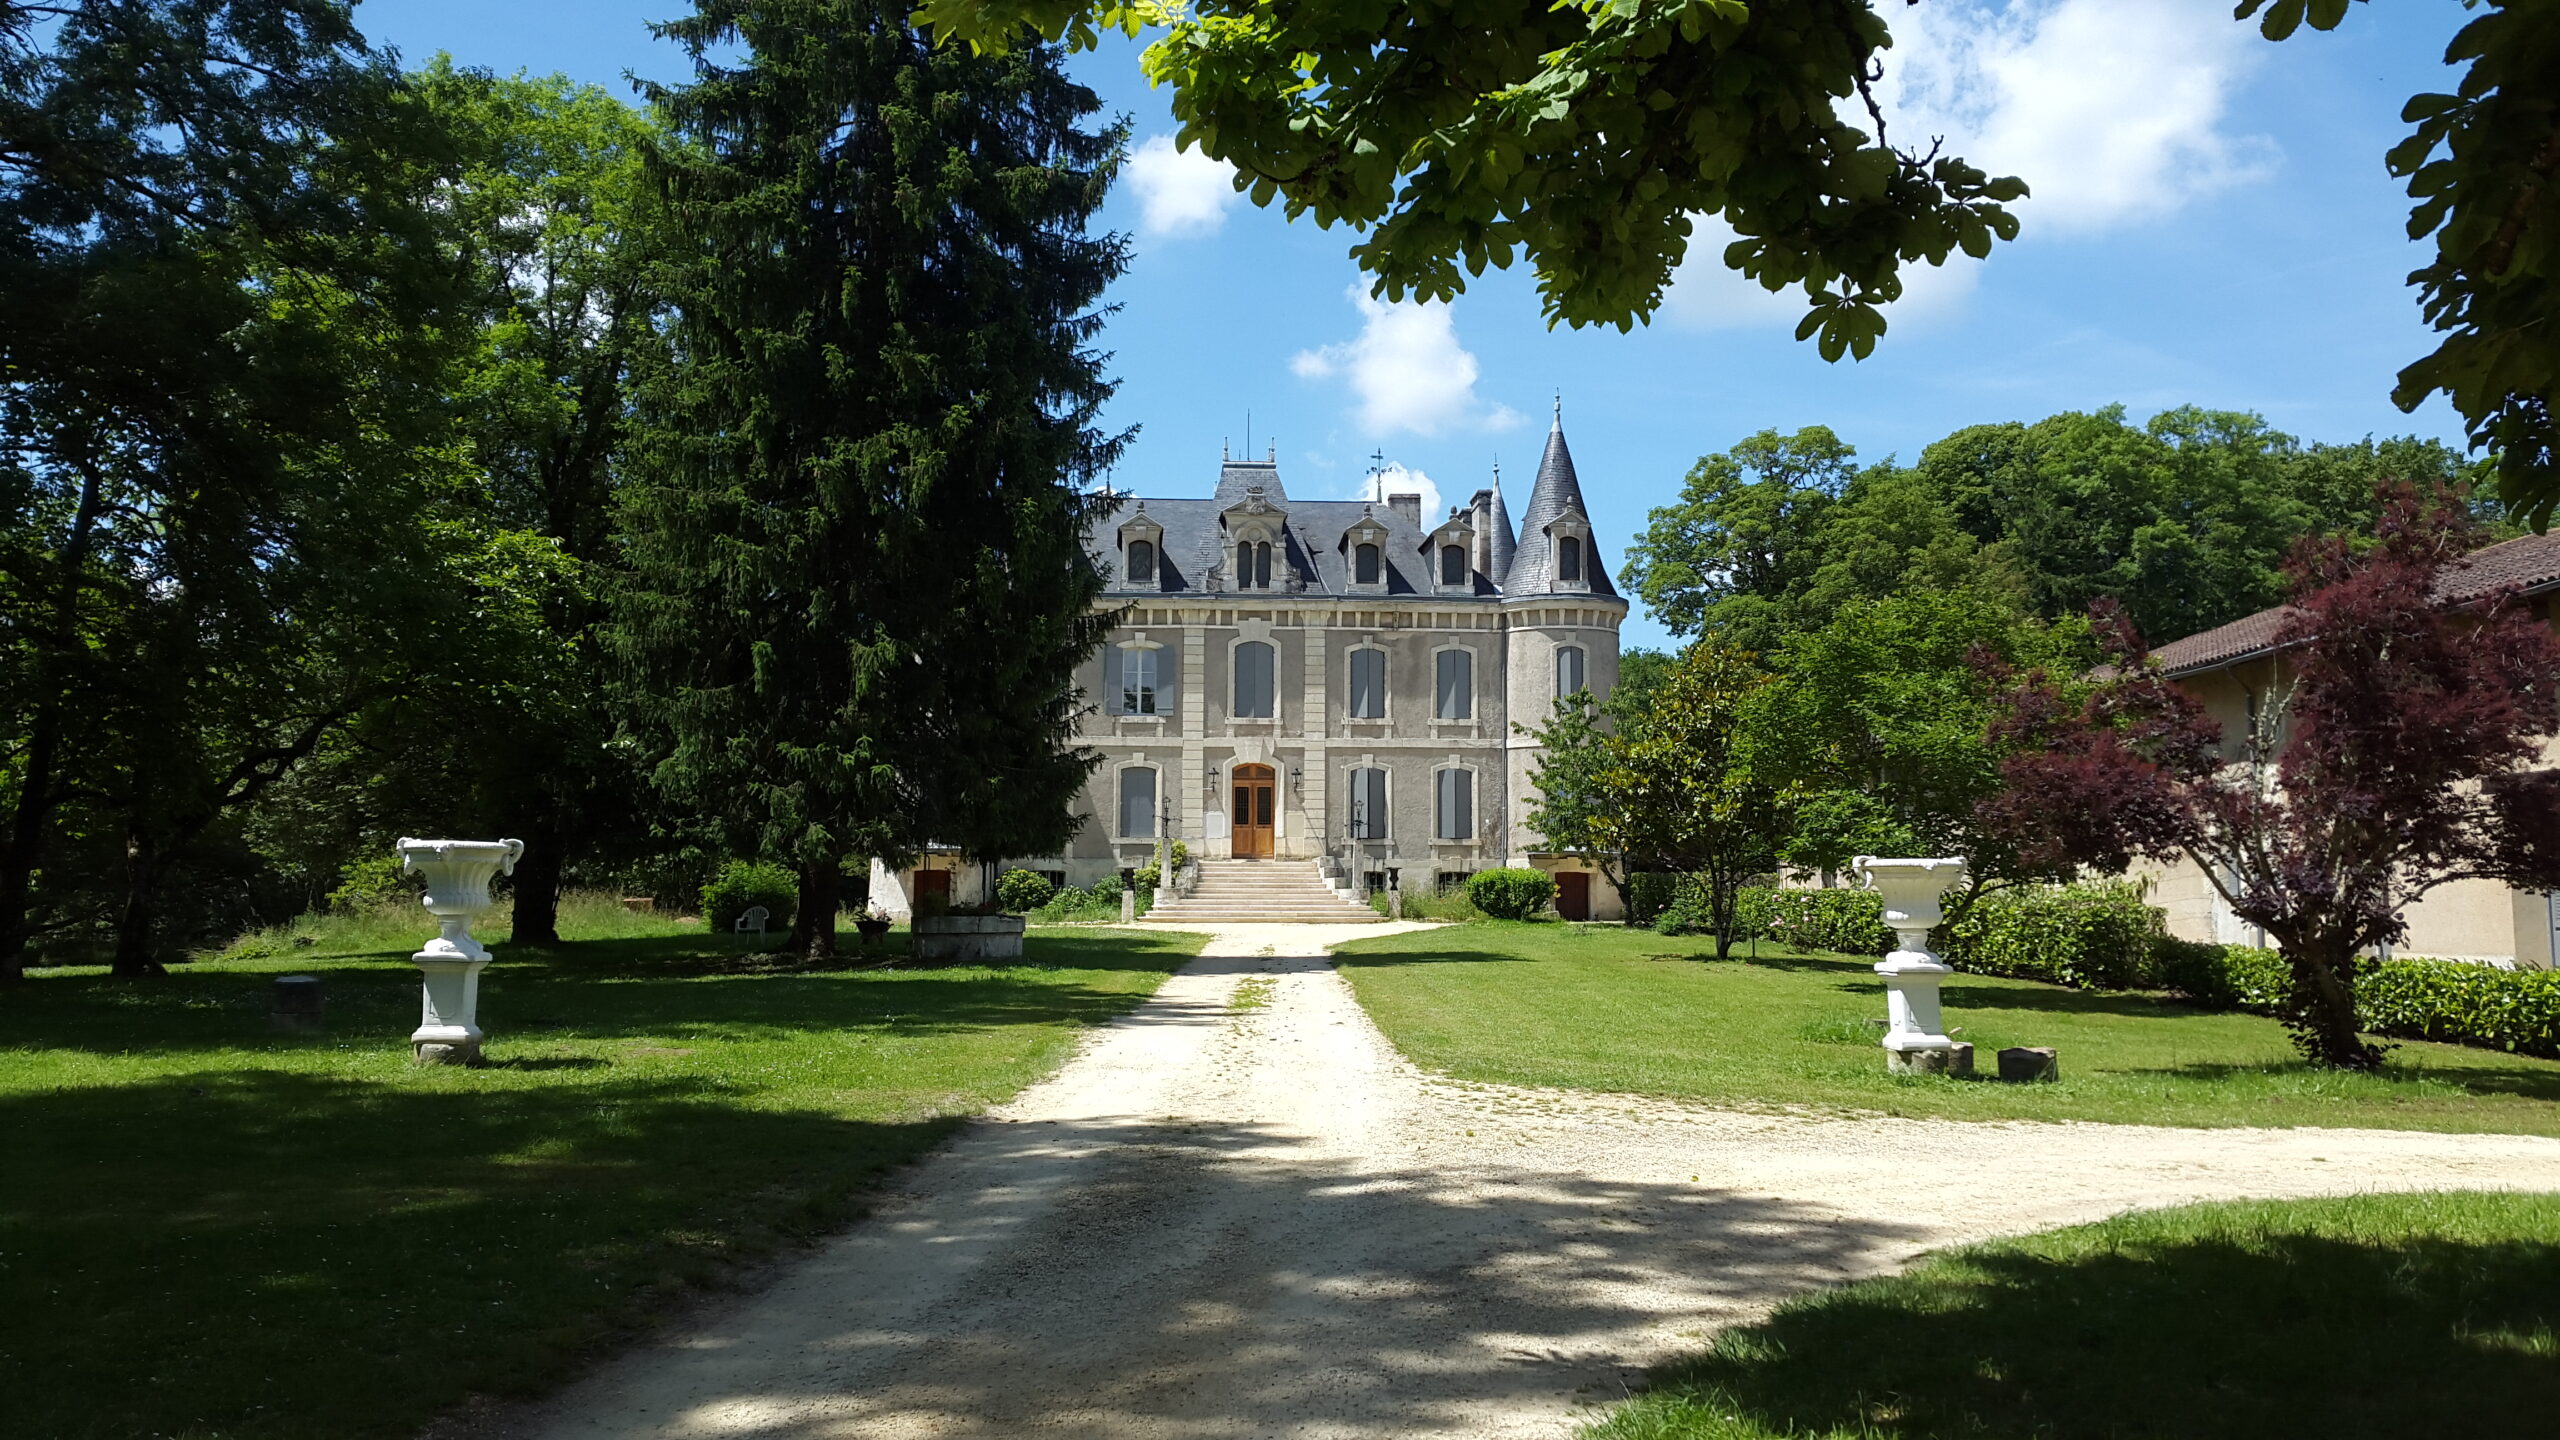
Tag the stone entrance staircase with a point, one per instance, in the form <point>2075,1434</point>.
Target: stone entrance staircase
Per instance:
<point>1283,890</point>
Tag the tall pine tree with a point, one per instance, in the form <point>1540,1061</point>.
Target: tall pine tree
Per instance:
<point>859,590</point>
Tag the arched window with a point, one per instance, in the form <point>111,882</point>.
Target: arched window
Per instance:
<point>1252,695</point>
<point>1368,685</point>
<point>1455,811</point>
<point>1142,562</point>
<point>1453,564</point>
<point>1365,566</point>
<point>1253,564</point>
<point>1569,559</point>
<point>1138,803</point>
<point>1569,679</point>
<point>1368,804</point>
<point>1456,693</point>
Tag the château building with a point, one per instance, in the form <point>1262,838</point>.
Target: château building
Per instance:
<point>1332,681</point>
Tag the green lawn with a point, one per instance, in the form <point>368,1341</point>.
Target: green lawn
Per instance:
<point>2387,1315</point>
<point>207,1230</point>
<point>1604,1008</point>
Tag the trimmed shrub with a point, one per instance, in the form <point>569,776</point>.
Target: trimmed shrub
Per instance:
<point>2222,977</point>
<point>1020,892</point>
<point>1849,922</point>
<point>2096,936</point>
<point>1509,894</point>
<point>742,884</point>
<point>2462,1004</point>
<point>1649,893</point>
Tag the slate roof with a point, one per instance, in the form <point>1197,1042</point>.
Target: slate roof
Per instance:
<point>1557,494</point>
<point>2529,563</point>
<point>1316,552</point>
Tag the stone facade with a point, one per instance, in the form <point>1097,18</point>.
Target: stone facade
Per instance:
<point>1354,666</point>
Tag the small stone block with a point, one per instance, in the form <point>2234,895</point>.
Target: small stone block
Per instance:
<point>2030,1062</point>
<point>297,1002</point>
<point>1917,1062</point>
<point>1960,1060</point>
<point>434,1053</point>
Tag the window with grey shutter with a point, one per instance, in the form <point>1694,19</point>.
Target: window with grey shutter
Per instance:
<point>1365,565</point>
<point>1254,686</point>
<point>1568,670</point>
<point>1138,680</point>
<point>1368,684</point>
<point>1138,804</point>
<point>1569,560</point>
<point>1457,686</point>
<point>1368,804</point>
<point>1457,804</point>
<point>1142,562</point>
<point>1453,565</point>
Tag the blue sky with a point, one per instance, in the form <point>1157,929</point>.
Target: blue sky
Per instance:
<point>2211,225</point>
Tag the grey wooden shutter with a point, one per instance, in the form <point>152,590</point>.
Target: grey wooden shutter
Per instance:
<point>1368,684</point>
<point>1457,686</point>
<point>1138,803</point>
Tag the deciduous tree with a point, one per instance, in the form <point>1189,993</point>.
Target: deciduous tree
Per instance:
<point>2400,755</point>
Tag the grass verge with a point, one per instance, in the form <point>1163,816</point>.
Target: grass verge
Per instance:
<point>2381,1315</point>
<point>1603,1008</point>
<point>208,1230</point>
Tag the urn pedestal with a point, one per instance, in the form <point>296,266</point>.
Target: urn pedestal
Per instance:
<point>457,873</point>
<point>1915,1039</point>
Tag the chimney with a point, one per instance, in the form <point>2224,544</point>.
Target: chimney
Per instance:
<point>1480,515</point>
<point>1408,506</point>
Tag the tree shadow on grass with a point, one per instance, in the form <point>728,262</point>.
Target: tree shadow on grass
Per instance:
<point>254,1252</point>
<point>2057,1000</point>
<point>2527,1079</point>
<point>2198,1337</point>
<point>592,990</point>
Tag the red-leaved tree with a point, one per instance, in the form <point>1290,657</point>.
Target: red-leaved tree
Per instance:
<point>2392,756</point>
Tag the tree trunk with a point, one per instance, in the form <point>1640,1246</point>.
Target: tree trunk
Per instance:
<point>813,929</point>
<point>144,863</point>
<point>537,886</point>
<point>1720,899</point>
<point>24,851</point>
<point>2324,1007</point>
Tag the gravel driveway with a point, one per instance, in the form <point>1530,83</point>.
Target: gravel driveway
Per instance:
<point>1243,1222</point>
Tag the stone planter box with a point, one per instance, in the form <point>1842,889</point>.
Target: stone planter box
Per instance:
<point>950,939</point>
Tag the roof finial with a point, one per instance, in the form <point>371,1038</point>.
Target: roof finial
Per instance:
<point>1559,410</point>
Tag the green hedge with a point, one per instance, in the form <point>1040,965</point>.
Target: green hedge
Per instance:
<point>2461,1004</point>
<point>2097,936</point>
<point>1020,892</point>
<point>742,884</point>
<point>1650,893</point>
<point>2222,977</point>
<point>1850,922</point>
<point>1511,894</point>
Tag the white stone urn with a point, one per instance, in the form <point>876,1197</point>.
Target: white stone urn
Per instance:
<point>1915,1038</point>
<point>457,873</point>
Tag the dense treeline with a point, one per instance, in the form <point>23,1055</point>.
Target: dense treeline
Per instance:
<point>436,451</point>
<point>2185,521</point>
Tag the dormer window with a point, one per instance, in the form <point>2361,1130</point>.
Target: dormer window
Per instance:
<point>1453,565</point>
<point>1368,565</point>
<point>1363,549</point>
<point>1253,564</point>
<point>1142,562</point>
<point>1571,565</point>
<point>1569,560</point>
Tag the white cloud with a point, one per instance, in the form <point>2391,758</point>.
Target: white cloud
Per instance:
<point>1180,192</point>
<point>1705,295</point>
<point>1406,371</point>
<point>1395,478</point>
<point>2112,112</point>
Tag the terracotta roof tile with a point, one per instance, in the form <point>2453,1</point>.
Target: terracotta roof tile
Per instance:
<point>2531,563</point>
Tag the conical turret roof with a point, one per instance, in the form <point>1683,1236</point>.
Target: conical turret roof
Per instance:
<point>1557,494</point>
<point>1504,546</point>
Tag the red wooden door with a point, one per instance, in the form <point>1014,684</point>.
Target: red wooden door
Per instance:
<point>1573,894</point>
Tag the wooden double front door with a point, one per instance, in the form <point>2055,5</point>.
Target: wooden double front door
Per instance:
<point>1251,836</point>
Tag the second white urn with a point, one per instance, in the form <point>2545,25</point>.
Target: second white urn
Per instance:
<point>1915,1037</point>
<point>457,873</point>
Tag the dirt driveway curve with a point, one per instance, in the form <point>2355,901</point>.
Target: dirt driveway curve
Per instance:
<point>1225,1223</point>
